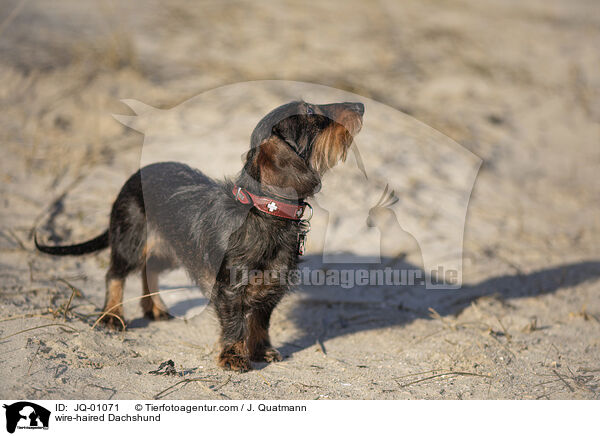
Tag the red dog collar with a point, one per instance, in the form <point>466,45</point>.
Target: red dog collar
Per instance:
<point>270,205</point>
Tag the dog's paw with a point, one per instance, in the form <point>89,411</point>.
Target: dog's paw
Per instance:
<point>272,355</point>
<point>113,322</point>
<point>234,362</point>
<point>267,355</point>
<point>156,314</point>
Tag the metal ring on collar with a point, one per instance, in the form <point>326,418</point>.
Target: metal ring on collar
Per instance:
<point>311,212</point>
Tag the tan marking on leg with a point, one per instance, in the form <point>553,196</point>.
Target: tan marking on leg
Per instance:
<point>114,296</point>
<point>112,305</point>
<point>153,306</point>
<point>149,247</point>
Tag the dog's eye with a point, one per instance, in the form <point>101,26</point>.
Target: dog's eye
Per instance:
<point>309,110</point>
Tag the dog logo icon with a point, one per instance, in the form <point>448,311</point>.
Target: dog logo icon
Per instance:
<point>26,415</point>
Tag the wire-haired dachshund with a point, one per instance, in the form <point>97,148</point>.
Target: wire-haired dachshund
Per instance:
<point>169,215</point>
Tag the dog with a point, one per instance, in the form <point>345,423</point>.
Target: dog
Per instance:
<point>169,215</point>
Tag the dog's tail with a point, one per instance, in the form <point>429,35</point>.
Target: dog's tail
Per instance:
<point>98,243</point>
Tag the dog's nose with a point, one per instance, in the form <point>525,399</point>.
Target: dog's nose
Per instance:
<point>358,108</point>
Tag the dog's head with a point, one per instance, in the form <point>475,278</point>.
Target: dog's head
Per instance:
<point>293,145</point>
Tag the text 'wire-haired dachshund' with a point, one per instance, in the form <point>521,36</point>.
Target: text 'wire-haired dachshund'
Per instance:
<point>169,215</point>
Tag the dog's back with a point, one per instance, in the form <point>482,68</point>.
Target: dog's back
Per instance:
<point>164,214</point>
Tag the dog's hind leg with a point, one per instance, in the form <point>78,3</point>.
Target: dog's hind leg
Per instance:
<point>127,240</point>
<point>152,305</point>
<point>127,234</point>
<point>112,316</point>
<point>120,267</point>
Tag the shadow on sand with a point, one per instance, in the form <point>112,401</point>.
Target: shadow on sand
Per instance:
<point>327,312</point>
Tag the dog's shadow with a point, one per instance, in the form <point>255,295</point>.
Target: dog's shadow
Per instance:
<point>326,312</point>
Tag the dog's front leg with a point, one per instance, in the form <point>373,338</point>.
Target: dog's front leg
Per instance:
<point>258,341</point>
<point>232,317</point>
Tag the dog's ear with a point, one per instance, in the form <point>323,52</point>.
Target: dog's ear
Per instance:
<point>282,171</point>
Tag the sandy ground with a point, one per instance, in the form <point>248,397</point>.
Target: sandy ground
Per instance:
<point>514,83</point>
